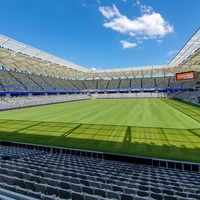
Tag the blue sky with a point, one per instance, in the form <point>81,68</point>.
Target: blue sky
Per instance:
<point>103,34</point>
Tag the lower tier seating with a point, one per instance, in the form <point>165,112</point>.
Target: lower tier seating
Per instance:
<point>63,176</point>
<point>19,102</point>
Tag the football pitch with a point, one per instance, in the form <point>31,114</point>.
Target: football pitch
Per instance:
<point>159,128</point>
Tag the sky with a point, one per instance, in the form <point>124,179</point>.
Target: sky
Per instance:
<point>103,34</point>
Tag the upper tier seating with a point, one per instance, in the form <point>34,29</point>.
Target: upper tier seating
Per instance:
<point>19,82</point>
<point>174,83</point>
<point>54,84</point>
<point>189,84</point>
<point>26,81</point>
<point>148,83</point>
<point>125,84</point>
<point>90,84</point>
<point>162,83</point>
<point>66,84</point>
<point>136,83</point>
<point>9,83</point>
<point>79,85</point>
<point>113,84</point>
<point>46,86</point>
<point>102,84</point>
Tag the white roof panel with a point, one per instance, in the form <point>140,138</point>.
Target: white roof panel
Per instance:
<point>10,49</point>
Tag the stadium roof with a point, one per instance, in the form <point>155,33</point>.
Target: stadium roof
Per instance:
<point>16,55</point>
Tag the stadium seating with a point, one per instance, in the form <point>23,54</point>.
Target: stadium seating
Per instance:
<point>54,84</point>
<point>103,96</point>
<point>27,84</point>
<point>175,84</point>
<point>17,102</point>
<point>130,95</point>
<point>16,81</point>
<point>113,84</point>
<point>46,86</point>
<point>115,95</point>
<point>148,83</point>
<point>102,84</point>
<point>162,83</point>
<point>10,83</point>
<point>44,175</point>
<point>66,84</point>
<point>189,96</point>
<point>125,84</point>
<point>136,83</point>
<point>90,84</point>
<point>79,85</point>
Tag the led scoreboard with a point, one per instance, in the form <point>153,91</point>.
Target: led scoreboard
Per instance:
<point>185,76</point>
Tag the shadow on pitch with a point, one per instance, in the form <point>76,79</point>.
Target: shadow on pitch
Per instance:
<point>166,143</point>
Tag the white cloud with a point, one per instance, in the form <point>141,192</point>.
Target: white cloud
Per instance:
<point>126,44</point>
<point>109,12</point>
<point>98,1</point>
<point>146,9</point>
<point>137,3</point>
<point>131,34</point>
<point>159,41</point>
<point>93,69</point>
<point>173,52</point>
<point>150,24</point>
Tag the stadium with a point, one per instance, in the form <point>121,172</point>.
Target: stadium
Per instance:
<point>68,132</point>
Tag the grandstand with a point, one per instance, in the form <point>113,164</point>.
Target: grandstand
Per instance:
<point>30,77</point>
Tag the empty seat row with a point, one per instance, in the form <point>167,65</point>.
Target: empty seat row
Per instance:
<point>59,176</point>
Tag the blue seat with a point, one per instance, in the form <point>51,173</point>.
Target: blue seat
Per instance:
<point>113,195</point>
<point>100,192</point>
<point>65,185</point>
<point>77,196</point>
<point>88,190</point>
<point>126,197</point>
<point>29,185</point>
<point>51,190</point>
<point>65,194</point>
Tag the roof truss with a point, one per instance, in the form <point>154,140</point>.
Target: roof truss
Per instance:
<point>16,55</point>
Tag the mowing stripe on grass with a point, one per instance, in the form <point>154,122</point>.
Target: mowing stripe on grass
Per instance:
<point>144,127</point>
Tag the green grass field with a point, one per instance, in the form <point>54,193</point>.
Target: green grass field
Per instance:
<point>159,128</point>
